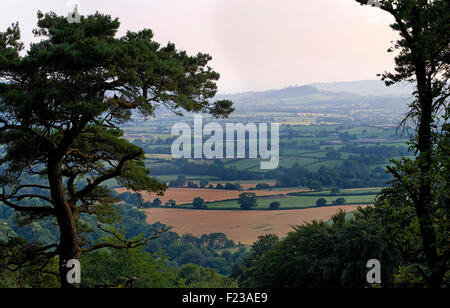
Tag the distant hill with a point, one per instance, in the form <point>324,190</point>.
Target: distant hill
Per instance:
<point>324,96</point>
<point>366,88</point>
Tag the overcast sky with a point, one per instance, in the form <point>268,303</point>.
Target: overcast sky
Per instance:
<point>255,44</point>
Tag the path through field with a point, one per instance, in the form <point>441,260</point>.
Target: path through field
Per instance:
<point>240,226</point>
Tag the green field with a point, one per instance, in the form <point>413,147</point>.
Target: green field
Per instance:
<point>288,202</point>
<point>303,145</point>
<point>168,178</point>
<point>346,192</point>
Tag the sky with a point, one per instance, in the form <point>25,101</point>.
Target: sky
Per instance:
<point>255,44</point>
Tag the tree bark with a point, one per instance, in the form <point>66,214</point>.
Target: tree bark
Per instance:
<point>68,244</point>
<point>425,198</point>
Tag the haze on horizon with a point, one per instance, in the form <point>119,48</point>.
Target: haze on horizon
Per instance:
<point>256,44</point>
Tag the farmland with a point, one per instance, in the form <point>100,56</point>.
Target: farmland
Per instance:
<point>319,149</point>
<point>288,202</point>
<point>240,226</point>
<point>186,195</point>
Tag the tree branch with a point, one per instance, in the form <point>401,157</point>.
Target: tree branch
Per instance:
<point>124,244</point>
<point>117,172</point>
<point>46,211</point>
<point>400,178</point>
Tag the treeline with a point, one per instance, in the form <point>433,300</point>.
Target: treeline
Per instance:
<point>356,171</point>
<point>350,174</point>
<point>216,169</point>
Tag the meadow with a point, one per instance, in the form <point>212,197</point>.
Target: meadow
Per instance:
<point>289,202</point>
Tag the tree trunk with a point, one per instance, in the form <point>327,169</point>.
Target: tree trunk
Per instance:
<point>425,199</point>
<point>68,244</point>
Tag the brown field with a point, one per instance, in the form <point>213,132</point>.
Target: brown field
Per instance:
<point>240,226</point>
<point>187,195</point>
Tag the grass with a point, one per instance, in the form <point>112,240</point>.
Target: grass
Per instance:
<point>359,130</point>
<point>168,178</point>
<point>346,192</point>
<point>243,181</point>
<point>289,202</point>
<point>327,163</point>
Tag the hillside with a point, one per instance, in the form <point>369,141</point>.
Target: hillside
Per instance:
<point>357,95</point>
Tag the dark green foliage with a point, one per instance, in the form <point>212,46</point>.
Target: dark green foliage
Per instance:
<point>192,185</point>
<point>321,202</point>
<point>319,255</point>
<point>353,172</point>
<point>132,198</point>
<point>247,200</point>
<point>339,201</point>
<point>25,265</point>
<point>203,183</point>
<point>263,244</point>
<point>199,204</point>
<point>112,268</point>
<point>315,186</point>
<point>231,186</point>
<point>274,205</point>
<point>402,223</point>
<point>179,182</point>
<point>333,154</point>
<point>216,169</point>
<point>171,203</point>
<point>156,202</point>
<point>198,250</point>
<point>195,276</point>
<point>261,186</point>
<point>335,191</point>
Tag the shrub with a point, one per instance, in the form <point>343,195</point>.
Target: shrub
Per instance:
<point>157,202</point>
<point>321,202</point>
<point>199,203</point>
<point>339,201</point>
<point>274,205</point>
<point>247,200</point>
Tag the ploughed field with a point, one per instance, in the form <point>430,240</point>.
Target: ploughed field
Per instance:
<point>240,226</point>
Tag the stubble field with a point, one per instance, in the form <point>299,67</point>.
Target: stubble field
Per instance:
<point>240,226</point>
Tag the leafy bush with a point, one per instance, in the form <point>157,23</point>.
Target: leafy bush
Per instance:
<point>274,205</point>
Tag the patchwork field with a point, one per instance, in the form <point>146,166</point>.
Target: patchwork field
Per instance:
<point>240,226</point>
<point>187,195</point>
